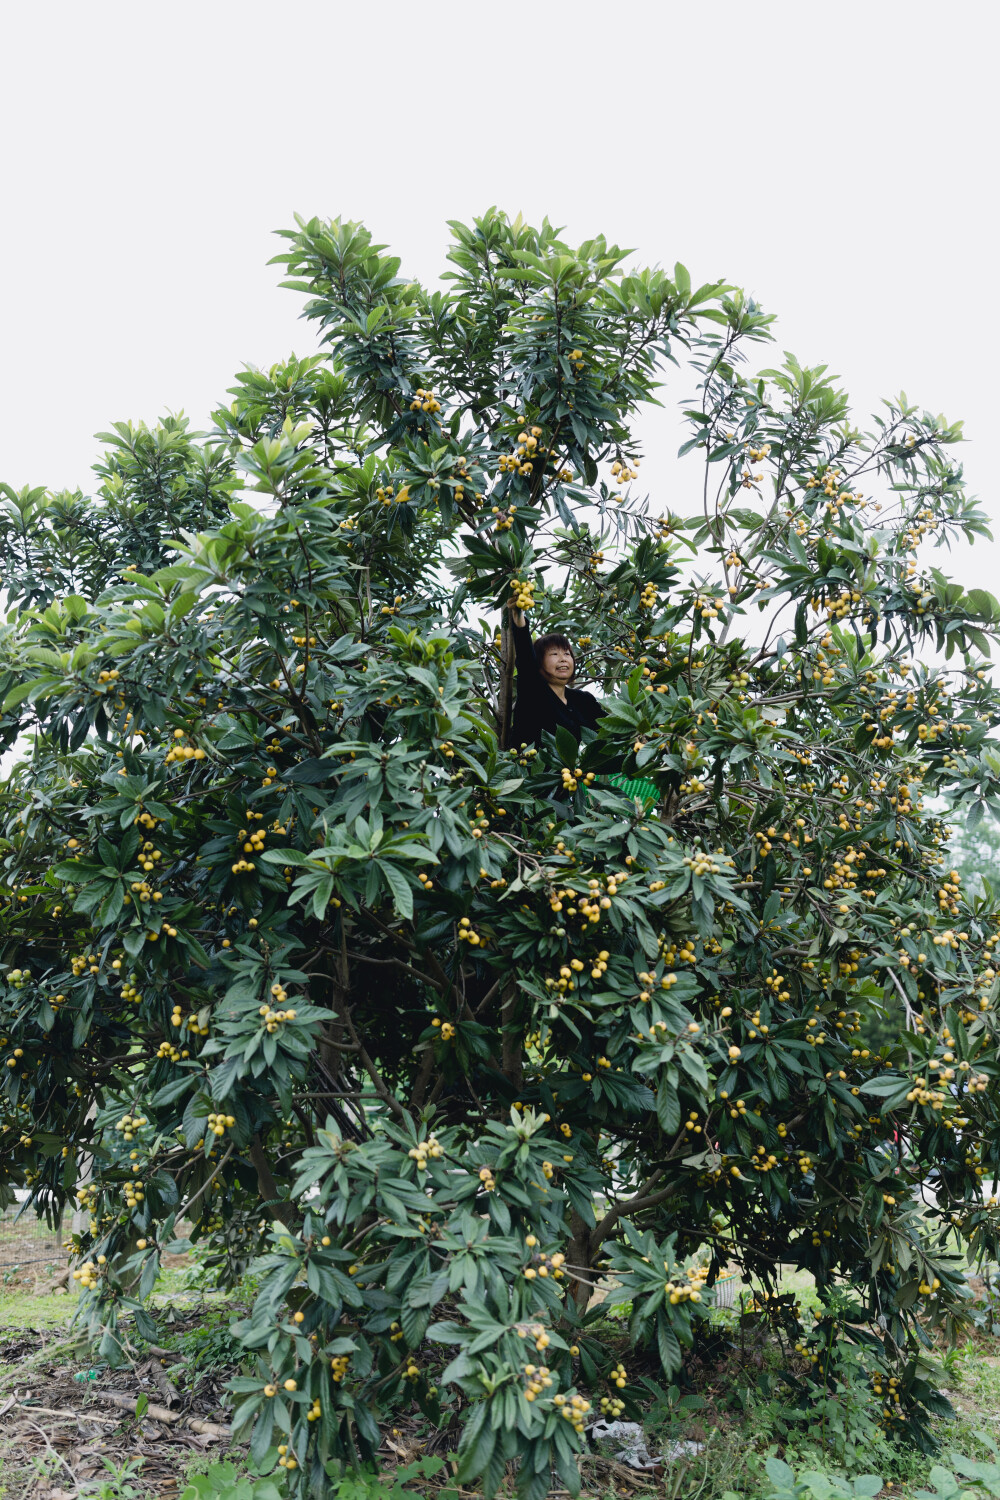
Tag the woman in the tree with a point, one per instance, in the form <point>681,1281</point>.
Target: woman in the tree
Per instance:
<point>545,699</point>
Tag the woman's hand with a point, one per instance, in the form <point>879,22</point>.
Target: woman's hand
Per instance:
<point>517,616</point>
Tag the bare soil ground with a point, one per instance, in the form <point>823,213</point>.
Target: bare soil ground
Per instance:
<point>57,1430</point>
<point>66,1420</point>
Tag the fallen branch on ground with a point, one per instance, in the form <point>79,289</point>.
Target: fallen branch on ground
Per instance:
<point>161,1414</point>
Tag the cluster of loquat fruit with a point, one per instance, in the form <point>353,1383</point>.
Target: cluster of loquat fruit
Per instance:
<point>707,606</point>
<point>424,1151</point>
<point>572,779</point>
<point>271,1019</point>
<point>575,1408</point>
<point>425,401</point>
<point>88,1274</point>
<point>537,1380</point>
<point>133,1193</point>
<point>179,751</point>
<point>541,1265</point>
<point>191,1024</point>
<point>130,1125</point>
<point>522,593</point>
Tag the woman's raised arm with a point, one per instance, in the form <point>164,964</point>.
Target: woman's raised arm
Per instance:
<point>524,652</point>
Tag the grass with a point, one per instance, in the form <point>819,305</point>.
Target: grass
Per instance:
<point>19,1311</point>
<point>974,1374</point>
<point>21,1308</point>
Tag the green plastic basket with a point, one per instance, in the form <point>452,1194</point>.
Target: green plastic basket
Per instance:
<point>635,786</point>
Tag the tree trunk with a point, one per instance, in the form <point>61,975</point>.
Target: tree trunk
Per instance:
<point>578,1256</point>
<point>268,1186</point>
<point>332,1035</point>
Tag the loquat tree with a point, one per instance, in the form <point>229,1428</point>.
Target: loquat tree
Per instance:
<point>304,962</point>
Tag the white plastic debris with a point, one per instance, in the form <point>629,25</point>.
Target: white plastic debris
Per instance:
<point>633,1450</point>
<point>685,1449</point>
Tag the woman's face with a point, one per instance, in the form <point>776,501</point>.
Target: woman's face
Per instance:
<point>558,665</point>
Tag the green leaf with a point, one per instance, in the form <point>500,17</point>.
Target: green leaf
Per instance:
<point>311,772</point>
<point>285,857</point>
<point>668,1109</point>
<point>23,690</point>
<point>402,891</point>
<point>779,1472</point>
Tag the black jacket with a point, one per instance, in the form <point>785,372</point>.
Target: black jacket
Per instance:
<point>538,708</point>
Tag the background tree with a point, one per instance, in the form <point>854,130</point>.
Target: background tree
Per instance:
<point>296,952</point>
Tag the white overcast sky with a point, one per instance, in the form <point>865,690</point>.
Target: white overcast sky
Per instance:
<point>840,162</point>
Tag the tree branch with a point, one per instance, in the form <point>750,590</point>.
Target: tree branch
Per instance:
<point>381,1088</point>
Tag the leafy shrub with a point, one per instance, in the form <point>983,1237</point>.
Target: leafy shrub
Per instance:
<point>210,1343</point>
<point>815,1484</point>
<point>224,1482</point>
<point>977,1476</point>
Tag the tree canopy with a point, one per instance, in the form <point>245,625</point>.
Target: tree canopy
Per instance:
<point>304,960</point>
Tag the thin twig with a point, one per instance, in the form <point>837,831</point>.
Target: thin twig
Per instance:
<point>57,1456</point>
<point>182,1212</point>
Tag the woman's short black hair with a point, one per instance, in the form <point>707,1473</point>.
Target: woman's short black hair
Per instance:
<point>549,642</point>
